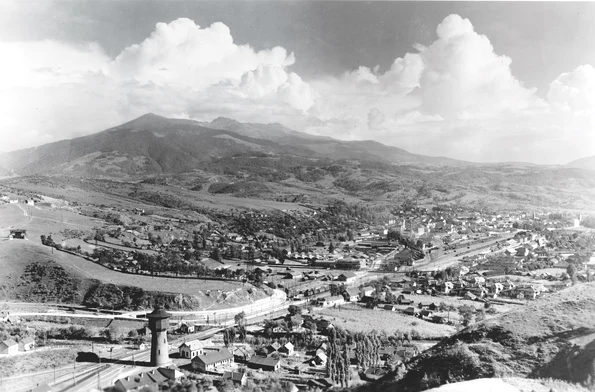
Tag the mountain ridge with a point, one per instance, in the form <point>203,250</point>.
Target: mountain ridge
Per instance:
<point>153,144</point>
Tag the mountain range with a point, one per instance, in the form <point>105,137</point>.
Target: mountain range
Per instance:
<point>153,144</point>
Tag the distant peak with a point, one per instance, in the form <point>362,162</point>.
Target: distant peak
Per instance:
<point>224,120</point>
<point>148,116</point>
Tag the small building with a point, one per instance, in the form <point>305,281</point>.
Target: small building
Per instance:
<point>374,373</point>
<point>154,378</point>
<point>210,361</point>
<point>411,311</point>
<point>191,349</point>
<point>367,291</point>
<point>242,354</point>
<point>287,349</point>
<point>320,359</point>
<point>9,347</point>
<point>352,294</point>
<point>265,363</point>
<point>238,378</point>
<point>18,234</point>
<point>427,314</point>
<point>348,277</point>
<point>27,344</point>
<point>272,348</point>
<point>295,322</point>
<point>186,328</point>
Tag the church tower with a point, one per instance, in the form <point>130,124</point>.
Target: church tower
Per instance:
<point>158,324</point>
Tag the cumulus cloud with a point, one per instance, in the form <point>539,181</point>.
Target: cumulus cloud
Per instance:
<point>464,77</point>
<point>67,90</point>
<point>181,53</point>
<point>455,97</point>
<point>574,91</point>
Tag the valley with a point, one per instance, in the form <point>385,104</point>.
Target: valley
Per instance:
<point>294,248</point>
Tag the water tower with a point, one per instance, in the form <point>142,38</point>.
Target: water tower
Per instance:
<point>158,324</point>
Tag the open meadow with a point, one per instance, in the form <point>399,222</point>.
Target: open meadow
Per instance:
<point>358,319</point>
<point>16,254</point>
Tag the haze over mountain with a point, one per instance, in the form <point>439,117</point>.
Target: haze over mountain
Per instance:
<point>155,144</point>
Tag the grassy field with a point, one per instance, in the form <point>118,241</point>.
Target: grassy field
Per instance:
<point>38,360</point>
<point>10,216</point>
<point>43,221</point>
<point>15,254</point>
<point>356,318</point>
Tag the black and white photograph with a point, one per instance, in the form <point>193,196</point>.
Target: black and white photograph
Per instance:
<point>297,196</point>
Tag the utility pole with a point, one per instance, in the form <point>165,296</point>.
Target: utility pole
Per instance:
<point>99,375</point>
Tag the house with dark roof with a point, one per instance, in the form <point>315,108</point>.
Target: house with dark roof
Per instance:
<point>402,300</point>
<point>265,363</point>
<point>272,348</point>
<point>238,378</point>
<point>348,277</point>
<point>243,354</point>
<point>144,380</point>
<point>209,362</point>
<point>186,328</point>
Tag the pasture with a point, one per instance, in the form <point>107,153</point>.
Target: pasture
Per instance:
<point>16,254</point>
<point>359,319</point>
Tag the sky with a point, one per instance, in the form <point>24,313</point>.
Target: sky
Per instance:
<point>478,81</point>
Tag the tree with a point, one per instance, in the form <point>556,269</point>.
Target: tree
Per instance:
<point>331,247</point>
<point>240,319</point>
<point>571,271</point>
<point>467,312</point>
<point>229,336</point>
<point>294,310</point>
<point>215,254</point>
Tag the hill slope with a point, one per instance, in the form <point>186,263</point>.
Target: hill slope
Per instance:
<point>551,337</point>
<point>587,163</point>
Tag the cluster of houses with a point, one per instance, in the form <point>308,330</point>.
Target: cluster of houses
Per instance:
<point>217,360</point>
<point>150,380</point>
<point>10,347</point>
<point>9,200</point>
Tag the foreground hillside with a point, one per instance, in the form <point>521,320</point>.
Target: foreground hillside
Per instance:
<point>552,337</point>
<point>510,385</point>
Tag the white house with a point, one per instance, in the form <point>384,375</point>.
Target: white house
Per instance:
<point>191,349</point>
